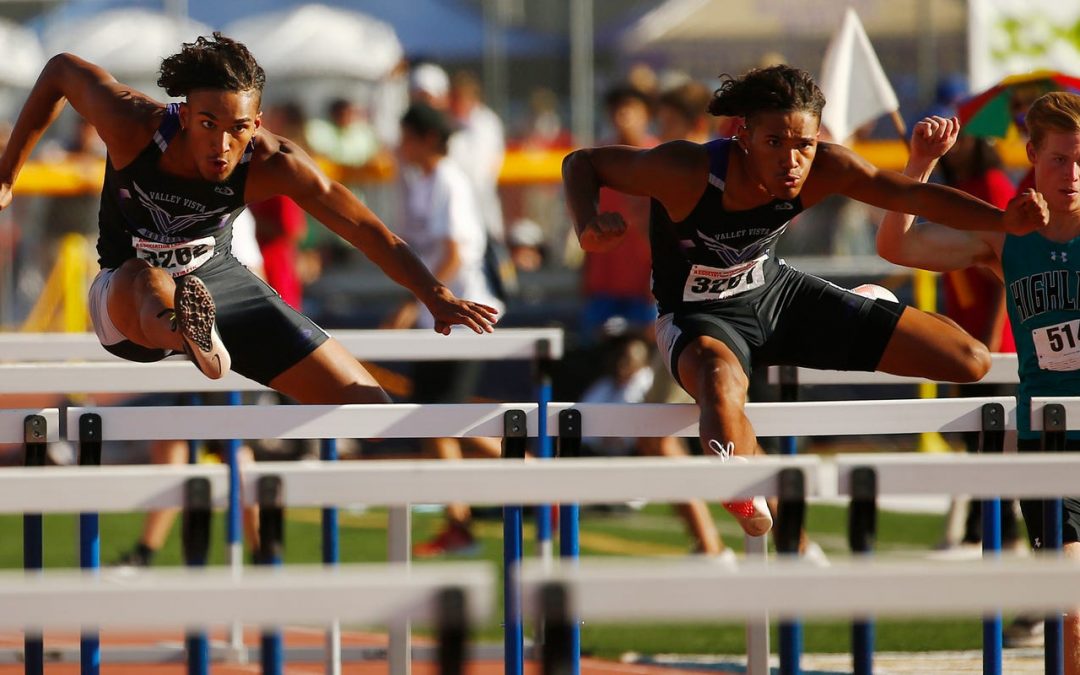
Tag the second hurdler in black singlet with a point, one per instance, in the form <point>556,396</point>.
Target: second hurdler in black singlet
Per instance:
<point>716,274</point>
<point>185,227</point>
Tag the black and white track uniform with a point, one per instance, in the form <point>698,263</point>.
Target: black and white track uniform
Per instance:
<point>184,226</point>
<point>715,274</point>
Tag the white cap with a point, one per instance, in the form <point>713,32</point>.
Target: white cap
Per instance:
<point>430,79</point>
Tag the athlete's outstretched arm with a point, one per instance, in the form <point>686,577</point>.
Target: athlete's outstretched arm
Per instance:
<point>114,110</point>
<point>844,172</point>
<point>668,173</point>
<point>283,169</point>
<point>928,245</point>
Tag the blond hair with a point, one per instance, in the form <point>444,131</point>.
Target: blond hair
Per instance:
<point>1056,111</point>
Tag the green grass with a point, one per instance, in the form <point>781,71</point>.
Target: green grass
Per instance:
<point>653,531</point>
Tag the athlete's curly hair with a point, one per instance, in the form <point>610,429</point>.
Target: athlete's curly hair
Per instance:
<point>216,62</point>
<point>776,88</point>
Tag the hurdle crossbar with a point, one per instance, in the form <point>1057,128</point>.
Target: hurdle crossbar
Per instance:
<point>74,489</point>
<point>370,594</point>
<point>1003,370</point>
<point>465,420</point>
<point>813,418</point>
<point>372,345</point>
<point>1026,475</point>
<point>605,590</point>
<point>494,481</point>
<point>13,421</point>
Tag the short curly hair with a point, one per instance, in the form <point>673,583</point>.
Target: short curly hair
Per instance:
<point>776,88</point>
<point>216,62</point>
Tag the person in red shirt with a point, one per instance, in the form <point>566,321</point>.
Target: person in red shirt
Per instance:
<point>618,283</point>
<point>280,224</point>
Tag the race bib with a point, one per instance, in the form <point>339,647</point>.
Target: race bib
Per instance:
<point>176,259</point>
<point>713,283</point>
<point>1058,347</point>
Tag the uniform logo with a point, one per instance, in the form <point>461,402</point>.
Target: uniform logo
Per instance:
<point>784,206</point>
<point>731,256</point>
<point>167,223</point>
<point>1063,254</point>
<point>224,190</point>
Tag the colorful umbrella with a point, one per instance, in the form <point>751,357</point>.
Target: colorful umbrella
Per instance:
<point>995,111</point>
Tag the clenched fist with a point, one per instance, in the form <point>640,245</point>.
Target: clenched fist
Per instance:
<point>603,232</point>
<point>1026,212</point>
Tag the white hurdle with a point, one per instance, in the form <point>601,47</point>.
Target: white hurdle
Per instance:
<point>368,594</point>
<point>373,345</point>
<point>101,372</point>
<point>319,422</point>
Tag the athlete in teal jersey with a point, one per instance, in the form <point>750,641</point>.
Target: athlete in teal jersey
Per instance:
<point>1042,294</point>
<point>1041,273</point>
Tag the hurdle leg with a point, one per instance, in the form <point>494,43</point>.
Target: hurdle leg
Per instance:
<point>757,630</point>
<point>399,533</point>
<point>543,365</point>
<point>195,539</point>
<point>452,631</point>
<point>271,500</point>
<point>34,435</point>
<point>515,433</point>
<point>234,533</point>
<point>862,532</point>
<point>790,517</point>
<point>89,538</point>
<point>992,440</point>
<point>569,549</point>
<point>557,654</point>
<point>330,556</point>
<point>1053,440</point>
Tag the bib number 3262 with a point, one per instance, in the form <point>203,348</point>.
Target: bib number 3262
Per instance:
<point>176,259</point>
<point>713,283</point>
<point>1058,346</point>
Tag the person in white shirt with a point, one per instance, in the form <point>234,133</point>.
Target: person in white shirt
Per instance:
<point>479,147</point>
<point>443,225</point>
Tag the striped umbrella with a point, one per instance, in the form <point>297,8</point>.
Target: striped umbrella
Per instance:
<point>994,112</point>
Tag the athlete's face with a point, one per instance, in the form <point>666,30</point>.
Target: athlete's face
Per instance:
<point>219,125</point>
<point>780,147</point>
<point>1057,170</point>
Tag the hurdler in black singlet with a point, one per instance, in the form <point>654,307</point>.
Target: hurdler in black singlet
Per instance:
<point>184,226</point>
<point>178,224</point>
<point>715,274</point>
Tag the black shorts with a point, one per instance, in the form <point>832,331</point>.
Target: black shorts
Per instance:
<point>798,320</point>
<point>264,335</point>
<point>1033,508</point>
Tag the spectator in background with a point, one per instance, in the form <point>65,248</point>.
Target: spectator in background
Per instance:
<point>544,127</point>
<point>429,83</point>
<point>525,238</point>
<point>443,225</point>
<point>345,137</point>
<point>618,283</point>
<point>681,113</point>
<point>479,147</point>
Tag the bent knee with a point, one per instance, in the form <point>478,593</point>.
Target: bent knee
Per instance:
<point>974,362</point>
<point>721,376</point>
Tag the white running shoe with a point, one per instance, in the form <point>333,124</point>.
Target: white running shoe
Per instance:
<point>195,321</point>
<point>753,514</point>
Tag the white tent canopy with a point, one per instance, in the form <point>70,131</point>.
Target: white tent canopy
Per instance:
<point>319,41</point>
<point>129,43</point>
<point>21,56</point>
<point>683,21</point>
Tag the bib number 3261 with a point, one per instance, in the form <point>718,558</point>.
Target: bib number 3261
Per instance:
<point>713,283</point>
<point>176,259</point>
<point>1058,346</point>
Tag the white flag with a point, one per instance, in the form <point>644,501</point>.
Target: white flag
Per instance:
<point>855,86</point>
